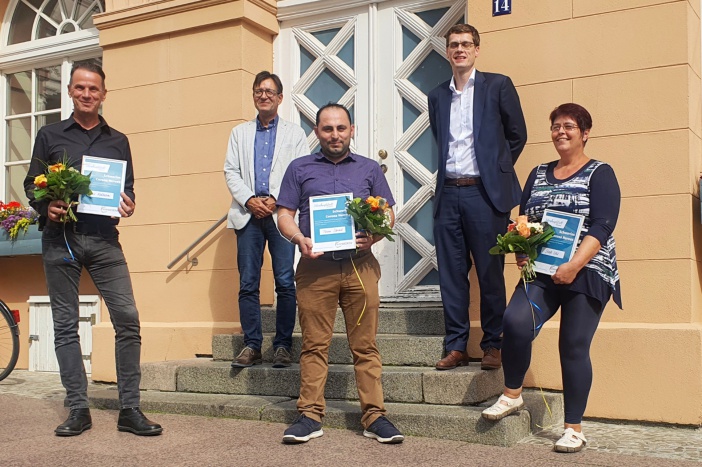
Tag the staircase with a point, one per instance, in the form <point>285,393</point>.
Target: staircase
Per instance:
<point>420,400</point>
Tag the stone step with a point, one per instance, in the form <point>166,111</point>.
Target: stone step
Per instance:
<point>395,349</point>
<point>462,386</point>
<point>460,423</point>
<point>423,320</point>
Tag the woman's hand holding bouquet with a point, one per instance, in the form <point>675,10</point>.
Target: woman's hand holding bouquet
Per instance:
<point>524,237</point>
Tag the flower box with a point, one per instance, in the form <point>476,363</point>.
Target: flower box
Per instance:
<point>26,244</point>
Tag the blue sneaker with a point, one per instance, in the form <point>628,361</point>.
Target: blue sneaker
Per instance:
<point>303,430</point>
<point>384,431</point>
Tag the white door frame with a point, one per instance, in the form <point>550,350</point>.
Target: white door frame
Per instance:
<point>377,85</point>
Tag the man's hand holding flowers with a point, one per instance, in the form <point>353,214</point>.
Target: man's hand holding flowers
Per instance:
<point>61,185</point>
<point>373,218</point>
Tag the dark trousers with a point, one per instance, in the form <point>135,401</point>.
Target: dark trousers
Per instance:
<point>467,224</point>
<point>251,243</point>
<point>102,256</point>
<point>580,316</point>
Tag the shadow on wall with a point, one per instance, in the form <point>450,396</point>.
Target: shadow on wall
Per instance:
<point>217,257</point>
<point>697,235</point>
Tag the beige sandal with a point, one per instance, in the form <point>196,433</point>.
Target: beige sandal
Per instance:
<point>571,441</point>
<point>503,407</point>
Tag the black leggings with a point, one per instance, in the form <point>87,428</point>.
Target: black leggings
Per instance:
<point>579,319</point>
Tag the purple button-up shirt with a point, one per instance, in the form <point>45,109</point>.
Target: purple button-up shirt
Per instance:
<point>316,175</point>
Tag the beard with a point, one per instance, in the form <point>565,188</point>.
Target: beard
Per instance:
<point>336,153</point>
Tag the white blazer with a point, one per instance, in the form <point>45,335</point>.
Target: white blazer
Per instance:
<point>290,143</point>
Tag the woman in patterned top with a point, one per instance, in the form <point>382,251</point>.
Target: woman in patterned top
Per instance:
<point>581,287</point>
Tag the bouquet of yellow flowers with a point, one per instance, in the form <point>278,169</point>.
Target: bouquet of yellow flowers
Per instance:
<point>61,182</point>
<point>14,218</point>
<point>371,215</point>
<point>524,237</point>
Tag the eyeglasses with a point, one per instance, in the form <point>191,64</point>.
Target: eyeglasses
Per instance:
<point>567,127</point>
<point>269,92</point>
<point>465,44</point>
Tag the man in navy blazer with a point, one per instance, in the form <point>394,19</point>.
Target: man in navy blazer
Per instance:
<point>479,127</point>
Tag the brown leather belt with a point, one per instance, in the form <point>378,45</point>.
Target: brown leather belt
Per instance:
<point>467,181</point>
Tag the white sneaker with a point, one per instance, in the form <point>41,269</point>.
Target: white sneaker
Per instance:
<point>503,407</point>
<point>571,441</point>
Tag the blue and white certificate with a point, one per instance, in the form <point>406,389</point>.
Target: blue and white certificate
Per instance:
<point>561,248</point>
<point>331,226</point>
<point>106,183</point>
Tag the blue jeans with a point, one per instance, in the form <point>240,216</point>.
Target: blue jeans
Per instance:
<point>102,256</point>
<point>251,241</point>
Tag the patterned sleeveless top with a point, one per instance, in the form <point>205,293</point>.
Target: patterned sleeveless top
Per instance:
<point>573,195</point>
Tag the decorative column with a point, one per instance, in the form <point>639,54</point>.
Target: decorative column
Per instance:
<point>179,76</point>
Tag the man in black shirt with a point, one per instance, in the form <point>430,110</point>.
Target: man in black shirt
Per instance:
<point>93,243</point>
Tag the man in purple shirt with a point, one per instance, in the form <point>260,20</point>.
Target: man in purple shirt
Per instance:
<point>341,278</point>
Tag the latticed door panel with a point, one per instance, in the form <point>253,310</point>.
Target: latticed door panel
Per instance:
<point>418,65</point>
<point>380,60</point>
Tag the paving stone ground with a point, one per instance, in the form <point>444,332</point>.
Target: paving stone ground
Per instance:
<point>665,442</point>
<point>627,441</point>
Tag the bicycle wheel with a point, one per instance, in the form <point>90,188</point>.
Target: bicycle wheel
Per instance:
<point>9,341</point>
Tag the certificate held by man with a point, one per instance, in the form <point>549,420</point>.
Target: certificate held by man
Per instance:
<point>331,226</point>
<point>106,182</point>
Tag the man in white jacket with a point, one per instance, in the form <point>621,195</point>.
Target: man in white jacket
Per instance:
<point>258,154</point>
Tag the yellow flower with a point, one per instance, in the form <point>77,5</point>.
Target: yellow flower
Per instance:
<point>57,167</point>
<point>374,202</point>
<point>40,181</point>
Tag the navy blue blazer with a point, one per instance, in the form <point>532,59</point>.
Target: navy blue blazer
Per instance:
<point>499,134</point>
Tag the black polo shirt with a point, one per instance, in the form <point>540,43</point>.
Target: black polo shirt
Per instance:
<point>68,139</point>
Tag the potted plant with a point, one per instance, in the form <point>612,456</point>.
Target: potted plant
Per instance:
<point>18,230</point>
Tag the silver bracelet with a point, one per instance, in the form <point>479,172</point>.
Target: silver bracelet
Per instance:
<point>293,237</point>
<point>285,215</point>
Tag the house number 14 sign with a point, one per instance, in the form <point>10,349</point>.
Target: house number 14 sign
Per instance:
<point>501,7</point>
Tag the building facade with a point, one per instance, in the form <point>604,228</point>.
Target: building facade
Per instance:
<point>179,76</point>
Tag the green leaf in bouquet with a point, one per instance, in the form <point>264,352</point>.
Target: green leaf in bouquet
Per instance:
<point>496,250</point>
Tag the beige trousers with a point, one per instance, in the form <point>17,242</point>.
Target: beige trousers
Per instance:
<point>323,285</point>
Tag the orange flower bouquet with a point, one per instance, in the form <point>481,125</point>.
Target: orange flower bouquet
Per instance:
<point>371,215</point>
<point>524,237</point>
<point>60,181</point>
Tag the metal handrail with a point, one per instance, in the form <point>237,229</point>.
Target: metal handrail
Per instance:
<point>186,252</point>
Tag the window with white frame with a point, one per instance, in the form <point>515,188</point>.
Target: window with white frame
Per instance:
<point>41,40</point>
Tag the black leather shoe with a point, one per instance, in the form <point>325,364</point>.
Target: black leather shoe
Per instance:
<point>133,420</point>
<point>77,422</point>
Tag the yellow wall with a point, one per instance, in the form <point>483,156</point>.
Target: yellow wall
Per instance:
<point>635,65</point>
<point>179,76</point>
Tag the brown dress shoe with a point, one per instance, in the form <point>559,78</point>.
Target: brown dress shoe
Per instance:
<point>247,357</point>
<point>492,359</point>
<point>453,359</point>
